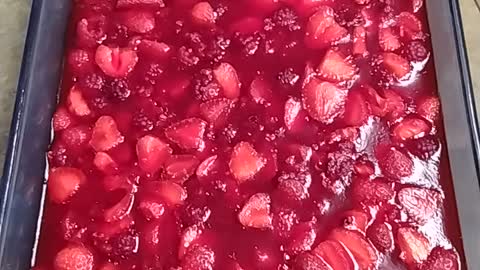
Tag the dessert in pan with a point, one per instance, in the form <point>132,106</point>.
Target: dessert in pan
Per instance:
<point>250,134</point>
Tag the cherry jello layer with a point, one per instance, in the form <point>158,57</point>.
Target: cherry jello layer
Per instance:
<point>248,134</point>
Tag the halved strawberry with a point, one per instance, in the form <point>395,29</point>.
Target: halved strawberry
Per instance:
<point>410,128</point>
<point>74,257</point>
<point>171,193</point>
<point>61,119</point>
<point>363,252</point>
<point>292,109</point>
<point>356,109</point>
<point>207,166</point>
<point>442,259</point>
<point>227,77</point>
<point>380,234</point>
<point>393,162</point>
<point>105,163</point>
<point>154,49</point>
<point>188,133</point>
<point>115,62</point>
<point>323,101</point>
<point>337,68</point>
<point>359,41</point>
<point>322,29</point>
<point>414,246</point>
<point>64,182</point>
<point>91,31</point>
<point>335,255</point>
<point>429,108</point>
<point>80,62</point>
<point>356,220</point>
<point>308,261</point>
<point>397,65</point>
<point>105,134</point>
<point>245,162</point>
<point>420,203</point>
<point>387,40</point>
<point>138,21</point>
<point>179,168</point>
<point>76,102</point>
<point>203,14</point>
<point>302,237</point>
<point>372,191</point>
<point>151,208</point>
<point>120,210</point>
<point>152,153</point>
<point>261,91</point>
<point>140,3</point>
<point>410,26</point>
<point>255,212</point>
<point>216,111</point>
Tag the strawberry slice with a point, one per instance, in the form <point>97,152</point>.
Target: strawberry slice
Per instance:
<point>76,103</point>
<point>120,210</point>
<point>363,252</point>
<point>302,237</point>
<point>61,119</point>
<point>140,3</point>
<point>410,128</point>
<point>308,261</point>
<point>216,111</point>
<point>227,77</point>
<point>245,162</point>
<point>105,163</point>
<point>441,258</point>
<point>323,100</point>
<point>335,255</point>
<point>356,109</point>
<point>179,168</point>
<point>322,29</point>
<point>372,191</point>
<point>387,40</point>
<point>188,133</point>
<point>74,257</point>
<point>420,203</point>
<point>105,134</point>
<point>413,245</point>
<point>410,26</point>
<point>261,91</point>
<point>152,153</point>
<point>356,220</point>
<point>380,234</point>
<point>292,110</point>
<point>64,182</point>
<point>115,62</point>
<point>207,166</point>
<point>255,212</point>
<point>151,208</point>
<point>171,193</point>
<point>203,14</point>
<point>397,65</point>
<point>429,108</point>
<point>138,21</point>
<point>335,67</point>
<point>393,162</point>
<point>359,41</point>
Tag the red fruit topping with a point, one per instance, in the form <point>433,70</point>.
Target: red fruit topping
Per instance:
<point>322,29</point>
<point>170,192</point>
<point>151,209</point>
<point>207,166</point>
<point>364,168</point>
<point>180,167</point>
<point>199,258</point>
<point>80,62</point>
<point>363,252</point>
<point>75,138</point>
<point>138,21</point>
<point>441,258</point>
<point>76,103</point>
<point>61,119</point>
<point>227,77</point>
<point>420,203</point>
<point>380,234</point>
<point>425,147</point>
<point>356,109</point>
<point>410,26</point>
<point>154,49</point>
<point>429,108</point>
<point>335,255</point>
<point>292,109</point>
<point>64,182</point>
<point>376,103</point>
<point>245,162</point>
<point>74,258</point>
<point>91,31</point>
<point>335,67</point>
<point>115,62</point>
<point>216,111</point>
<point>188,133</point>
<point>417,5</point>
<point>105,163</point>
<point>105,134</point>
<point>323,100</point>
<point>261,91</point>
<point>308,261</point>
<point>393,162</point>
<point>140,3</point>
<point>396,65</point>
<point>410,128</point>
<point>203,14</point>
<point>359,41</point>
<point>395,105</point>
<point>387,40</point>
<point>413,245</point>
<point>256,212</point>
<point>355,220</point>
<point>372,191</point>
<point>120,210</point>
<point>416,51</point>
<point>152,153</point>
<point>189,237</point>
<point>302,237</point>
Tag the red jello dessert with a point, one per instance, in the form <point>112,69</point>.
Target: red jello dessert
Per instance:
<point>248,134</point>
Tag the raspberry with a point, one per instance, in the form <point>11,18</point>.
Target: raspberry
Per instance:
<point>164,117</point>
<point>288,77</point>
<point>217,48</point>
<point>119,89</point>
<point>142,121</point>
<point>99,102</point>
<point>187,57</point>
<point>153,72</point>
<point>416,51</point>
<point>93,81</point>
<point>286,18</point>
<point>125,245</point>
<point>205,86</point>
<point>425,147</point>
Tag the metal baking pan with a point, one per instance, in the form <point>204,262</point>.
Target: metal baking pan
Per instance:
<point>23,180</point>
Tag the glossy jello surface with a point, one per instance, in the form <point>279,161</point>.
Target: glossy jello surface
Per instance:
<point>248,134</point>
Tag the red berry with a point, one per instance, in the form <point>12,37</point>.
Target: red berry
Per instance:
<point>308,261</point>
<point>393,162</point>
<point>115,62</point>
<point>64,182</point>
<point>245,162</point>
<point>413,245</point>
<point>203,14</point>
<point>396,65</point>
<point>425,147</point>
<point>410,128</point>
<point>61,119</point>
<point>323,101</point>
<point>105,134</point>
<point>420,203</point>
<point>380,234</point>
<point>441,258</point>
<point>335,255</point>
<point>322,29</point>
<point>256,212</point>
<point>337,68</point>
<point>363,252</point>
<point>188,133</point>
<point>74,258</point>
<point>227,77</point>
<point>372,191</point>
<point>152,153</point>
